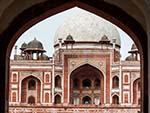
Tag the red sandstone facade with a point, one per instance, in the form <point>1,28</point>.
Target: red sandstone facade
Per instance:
<point>79,81</point>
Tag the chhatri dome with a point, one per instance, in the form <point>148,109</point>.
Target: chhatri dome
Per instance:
<point>84,26</point>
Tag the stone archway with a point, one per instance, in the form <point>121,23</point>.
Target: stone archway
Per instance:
<point>137,91</point>
<point>86,75</point>
<point>30,85</point>
<point>34,14</point>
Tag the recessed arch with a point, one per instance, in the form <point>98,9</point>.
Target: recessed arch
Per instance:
<point>137,91</point>
<point>134,29</point>
<point>30,75</point>
<point>87,75</point>
<point>57,81</point>
<point>115,100</point>
<point>115,82</point>
<point>29,85</point>
<point>57,99</point>
<point>86,100</point>
<point>85,63</point>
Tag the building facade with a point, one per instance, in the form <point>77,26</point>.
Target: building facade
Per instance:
<point>84,75</point>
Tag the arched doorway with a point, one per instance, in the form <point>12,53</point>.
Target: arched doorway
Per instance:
<point>137,91</point>
<point>57,99</point>
<point>115,100</point>
<point>58,81</point>
<point>89,79</point>
<point>30,90</point>
<point>98,6</point>
<point>86,100</point>
<point>115,82</point>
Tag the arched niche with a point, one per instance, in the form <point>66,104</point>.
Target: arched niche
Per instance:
<point>137,91</point>
<point>115,100</point>
<point>57,81</point>
<point>86,100</point>
<point>86,76</point>
<point>115,82</point>
<point>57,99</point>
<point>30,84</point>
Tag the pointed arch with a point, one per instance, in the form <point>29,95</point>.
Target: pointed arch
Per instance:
<point>136,91</point>
<point>98,7</point>
<point>86,83</point>
<point>30,83</point>
<point>86,100</point>
<point>58,81</point>
<point>115,82</point>
<point>57,99</point>
<point>115,100</point>
<point>89,78</point>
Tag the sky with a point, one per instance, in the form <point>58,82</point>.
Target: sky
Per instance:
<point>44,31</point>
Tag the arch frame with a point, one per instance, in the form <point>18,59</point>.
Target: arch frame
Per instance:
<point>20,83</point>
<point>132,89</point>
<point>88,97</point>
<point>58,94</point>
<point>116,96</point>
<point>11,34</point>
<point>60,78</point>
<point>104,81</point>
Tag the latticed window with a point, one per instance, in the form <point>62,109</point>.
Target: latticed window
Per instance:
<point>115,82</point>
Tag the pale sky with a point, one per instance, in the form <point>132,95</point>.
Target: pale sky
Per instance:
<point>44,31</point>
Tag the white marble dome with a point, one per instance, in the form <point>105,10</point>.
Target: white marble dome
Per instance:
<point>84,26</point>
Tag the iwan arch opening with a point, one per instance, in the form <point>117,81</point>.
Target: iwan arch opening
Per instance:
<point>84,98</point>
<point>83,81</point>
